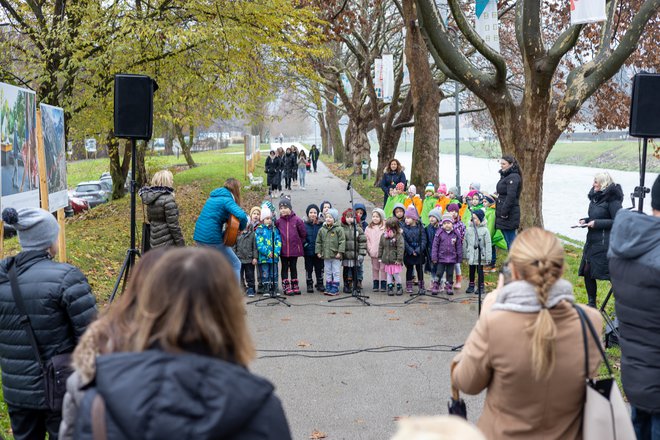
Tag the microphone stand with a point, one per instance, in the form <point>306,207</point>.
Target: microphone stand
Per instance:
<point>354,293</point>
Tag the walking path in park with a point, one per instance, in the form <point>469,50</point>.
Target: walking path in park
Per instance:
<point>350,371</point>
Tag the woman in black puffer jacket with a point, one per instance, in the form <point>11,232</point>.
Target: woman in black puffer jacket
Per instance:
<point>605,200</point>
<point>162,211</point>
<point>507,209</point>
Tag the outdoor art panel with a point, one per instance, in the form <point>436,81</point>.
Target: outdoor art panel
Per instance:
<point>52,127</point>
<point>19,172</point>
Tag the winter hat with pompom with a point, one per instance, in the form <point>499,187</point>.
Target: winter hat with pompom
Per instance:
<point>37,228</point>
<point>400,187</point>
<point>447,218</point>
<point>429,188</point>
<point>412,213</point>
<point>442,189</point>
<point>266,213</point>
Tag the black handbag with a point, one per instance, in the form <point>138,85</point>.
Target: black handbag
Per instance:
<point>146,233</point>
<point>55,370</point>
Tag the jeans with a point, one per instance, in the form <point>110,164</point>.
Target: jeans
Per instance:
<point>647,425</point>
<point>331,269</point>
<point>268,272</point>
<point>301,176</point>
<point>33,424</point>
<point>509,236</point>
<point>231,258</point>
<point>493,261</point>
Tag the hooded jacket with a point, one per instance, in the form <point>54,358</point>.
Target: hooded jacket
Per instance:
<point>274,170</point>
<point>508,195</point>
<point>246,245</point>
<point>634,259</point>
<point>363,218</point>
<point>416,201</point>
<point>373,234</point>
<point>264,239</point>
<point>163,214</point>
<point>496,236</point>
<point>215,213</point>
<point>355,242</point>
<point>392,202</point>
<point>447,247</point>
<point>293,233</point>
<point>415,242</point>
<point>427,206</point>
<point>470,248</point>
<point>391,249</point>
<point>603,207</point>
<point>330,241</point>
<point>312,232</point>
<point>158,395</point>
<point>60,305</point>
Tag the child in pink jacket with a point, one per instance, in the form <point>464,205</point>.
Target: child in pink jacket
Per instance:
<point>373,233</point>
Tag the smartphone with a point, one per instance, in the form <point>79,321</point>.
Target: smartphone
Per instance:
<point>506,273</point>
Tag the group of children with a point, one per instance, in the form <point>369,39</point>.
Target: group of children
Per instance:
<point>433,235</point>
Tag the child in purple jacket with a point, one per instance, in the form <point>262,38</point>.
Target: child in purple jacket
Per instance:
<point>293,232</point>
<point>447,251</point>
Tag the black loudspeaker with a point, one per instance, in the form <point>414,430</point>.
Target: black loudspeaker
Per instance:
<point>645,106</point>
<point>134,102</point>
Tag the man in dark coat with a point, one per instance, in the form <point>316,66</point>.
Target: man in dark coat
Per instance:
<point>59,304</point>
<point>507,209</point>
<point>634,262</point>
<point>393,174</point>
<point>604,204</point>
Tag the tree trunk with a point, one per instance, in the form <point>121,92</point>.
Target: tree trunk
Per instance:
<point>169,141</point>
<point>141,177</point>
<point>325,141</point>
<point>386,152</point>
<point>118,168</point>
<point>426,102</point>
<point>186,146</point>
<point>358,143</point>
<point>335,143</point>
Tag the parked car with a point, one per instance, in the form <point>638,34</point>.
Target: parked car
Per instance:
<point>76,206</point>
<point>94,193</point>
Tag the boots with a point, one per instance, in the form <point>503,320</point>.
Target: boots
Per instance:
<point>481,290</point>
<point>310,285</point>
<point>286,287</point>
<point>421,290</point>
<point>409,286</point>
<point>376,286</point>
<point>335,288</point>
<point>319,286</point>
<point>295,289</point>
<point>399,289</point>
<point>328,288</point>
<point>435,288</point>
<point>358,286</point>
<point>457,284</point>
<point>470,288</point>
<point>383,285</point>
<point>592,300</point>
<point>390,289</point>
<point>448,288</point>
<point>348,285</point>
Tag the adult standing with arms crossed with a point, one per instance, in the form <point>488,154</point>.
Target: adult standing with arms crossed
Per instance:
<point>393,174</point>
<point>222,203</point>
<point>507,210</point>
<point>605,198</point>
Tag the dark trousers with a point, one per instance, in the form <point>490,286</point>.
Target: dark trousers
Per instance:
<point>287,181</point>
<point>314,264</point>
<point>410,269</point>
<point>647,425</point>
<point>350,273</point>
<point>590,283</point>
<point>247,275</point>
<point>479,271</point>
<point>314,162</point>
<point>289,265</point>
<point>447,268</point>
<point>493,261</point>
<point>509,236</point>
<point>33,424</point>
<point>385,196</point>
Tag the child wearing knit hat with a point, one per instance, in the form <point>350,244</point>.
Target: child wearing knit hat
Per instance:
<point>415,249</point>
<point>330,247</point>
<point>443,198</point>
<point>356,249</point>
<point>496,236</point>
<point>397,196</point>
<point>313,264</point>
<point>454,210</point>
<point>413,199</point>
<point>435,217</point>
<point>269,246</point>
<point>430,200</point>
<point>477,250</point>
<point>293,232</point>
<point>246,251</point>
<point>447,251</point>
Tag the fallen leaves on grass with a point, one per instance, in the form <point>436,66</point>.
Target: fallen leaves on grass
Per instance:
<point>316,434</point>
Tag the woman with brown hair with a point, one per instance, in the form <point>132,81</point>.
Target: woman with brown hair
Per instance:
<point>222,203</point>
<point>393,174</point>
<point>185,375</point>
<point>527,348</point>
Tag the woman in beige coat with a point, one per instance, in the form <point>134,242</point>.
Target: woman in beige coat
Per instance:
<point>527,348</point>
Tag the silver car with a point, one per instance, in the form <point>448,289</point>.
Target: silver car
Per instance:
<point>94,192</point>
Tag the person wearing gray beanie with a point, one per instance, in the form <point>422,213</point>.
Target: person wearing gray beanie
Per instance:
<point>58,307</point>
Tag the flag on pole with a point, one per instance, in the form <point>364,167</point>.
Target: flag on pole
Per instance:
<point>388,77</point>
<point>378,77</point>
<point>587,11</point>
<point>487,23</point>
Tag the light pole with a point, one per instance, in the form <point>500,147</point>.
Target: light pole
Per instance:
<point>457,124</point>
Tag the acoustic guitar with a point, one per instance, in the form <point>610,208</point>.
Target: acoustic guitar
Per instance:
<point>231,230</point>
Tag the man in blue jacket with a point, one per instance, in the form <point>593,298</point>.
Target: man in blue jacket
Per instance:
<point>634,261</point>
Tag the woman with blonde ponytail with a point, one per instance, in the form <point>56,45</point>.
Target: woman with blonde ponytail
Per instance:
<point>527,348</point>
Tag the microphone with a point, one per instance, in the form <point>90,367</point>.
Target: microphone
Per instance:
<point>348,187</point>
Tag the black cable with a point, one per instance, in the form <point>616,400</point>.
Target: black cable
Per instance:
<point>459,300</point>
<point>340,353</point>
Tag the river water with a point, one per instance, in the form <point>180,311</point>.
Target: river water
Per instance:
<point>565,187</point>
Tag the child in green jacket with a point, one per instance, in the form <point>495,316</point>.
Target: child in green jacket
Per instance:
<point>397,195</point>
<point>430,200</point>
<point>330,247</point>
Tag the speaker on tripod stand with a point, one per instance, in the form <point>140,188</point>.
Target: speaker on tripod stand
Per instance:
<point>133,119</point>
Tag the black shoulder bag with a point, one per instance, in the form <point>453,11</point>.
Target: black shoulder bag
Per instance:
<point>57,369</point>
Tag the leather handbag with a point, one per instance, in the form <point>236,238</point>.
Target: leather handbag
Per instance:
<point>605,415</point>
<point>55,370</point>
<point>456,405</point>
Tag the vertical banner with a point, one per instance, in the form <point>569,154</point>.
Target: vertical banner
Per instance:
<point>18,147</point>
<point>443,9</point>
<point>378,77</point>
<point>388,77</point>
<point>587,11</point>
<point>346,84</point>
<point>487,22</point>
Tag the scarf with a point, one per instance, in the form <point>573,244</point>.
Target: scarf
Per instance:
<point>520,296</point>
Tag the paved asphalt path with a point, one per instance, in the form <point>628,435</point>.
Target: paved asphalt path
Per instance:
<point>310,351</point>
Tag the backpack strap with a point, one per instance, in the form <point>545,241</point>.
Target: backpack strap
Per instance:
<point>99,429</point>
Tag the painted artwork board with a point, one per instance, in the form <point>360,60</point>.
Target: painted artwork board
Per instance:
<point>19,175</point>
<point>52,127</point>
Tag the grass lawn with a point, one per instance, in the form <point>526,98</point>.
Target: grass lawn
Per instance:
<point>573,250</point>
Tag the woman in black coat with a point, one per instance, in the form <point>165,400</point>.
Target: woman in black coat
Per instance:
<point>507,209</point>
<point>393,175</point>
<point>289,164</point>
<point>273,179</point>
<point>605,200</point>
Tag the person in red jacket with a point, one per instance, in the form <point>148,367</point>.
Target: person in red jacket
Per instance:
<point>293,232</point>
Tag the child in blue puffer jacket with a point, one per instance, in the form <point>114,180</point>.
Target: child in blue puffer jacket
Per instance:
<point>269,246</point>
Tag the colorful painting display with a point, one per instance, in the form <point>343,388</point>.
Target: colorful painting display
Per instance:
<point>19,172</point>
<point>52,127</point>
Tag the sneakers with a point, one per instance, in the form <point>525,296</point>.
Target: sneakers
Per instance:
<point>332,288</point>
<point>435,288</point>
<point>399,290</point>
<point>449,290</point>
<point>409,287</point>
<point>390,289</point>
<point>457,284</point>
<point>470,288</point>
<point>250,292</point>
<point>376,286</point>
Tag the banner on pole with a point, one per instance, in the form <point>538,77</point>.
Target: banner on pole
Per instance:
<point>587,11</point>
<point>346,84</point>
<point>388,77</point>
<point>487,23</point>
<point>378,77</point>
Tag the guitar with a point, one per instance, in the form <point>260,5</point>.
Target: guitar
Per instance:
<point>231,230</point>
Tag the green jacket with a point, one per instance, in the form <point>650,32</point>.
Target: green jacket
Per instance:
<point>330,241</point>
<point>467,215</point>
<point>496,235</point>
<point>391,201</point>
<point>390,250</point>
<point>350,242</point>
<point>427,206</point>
